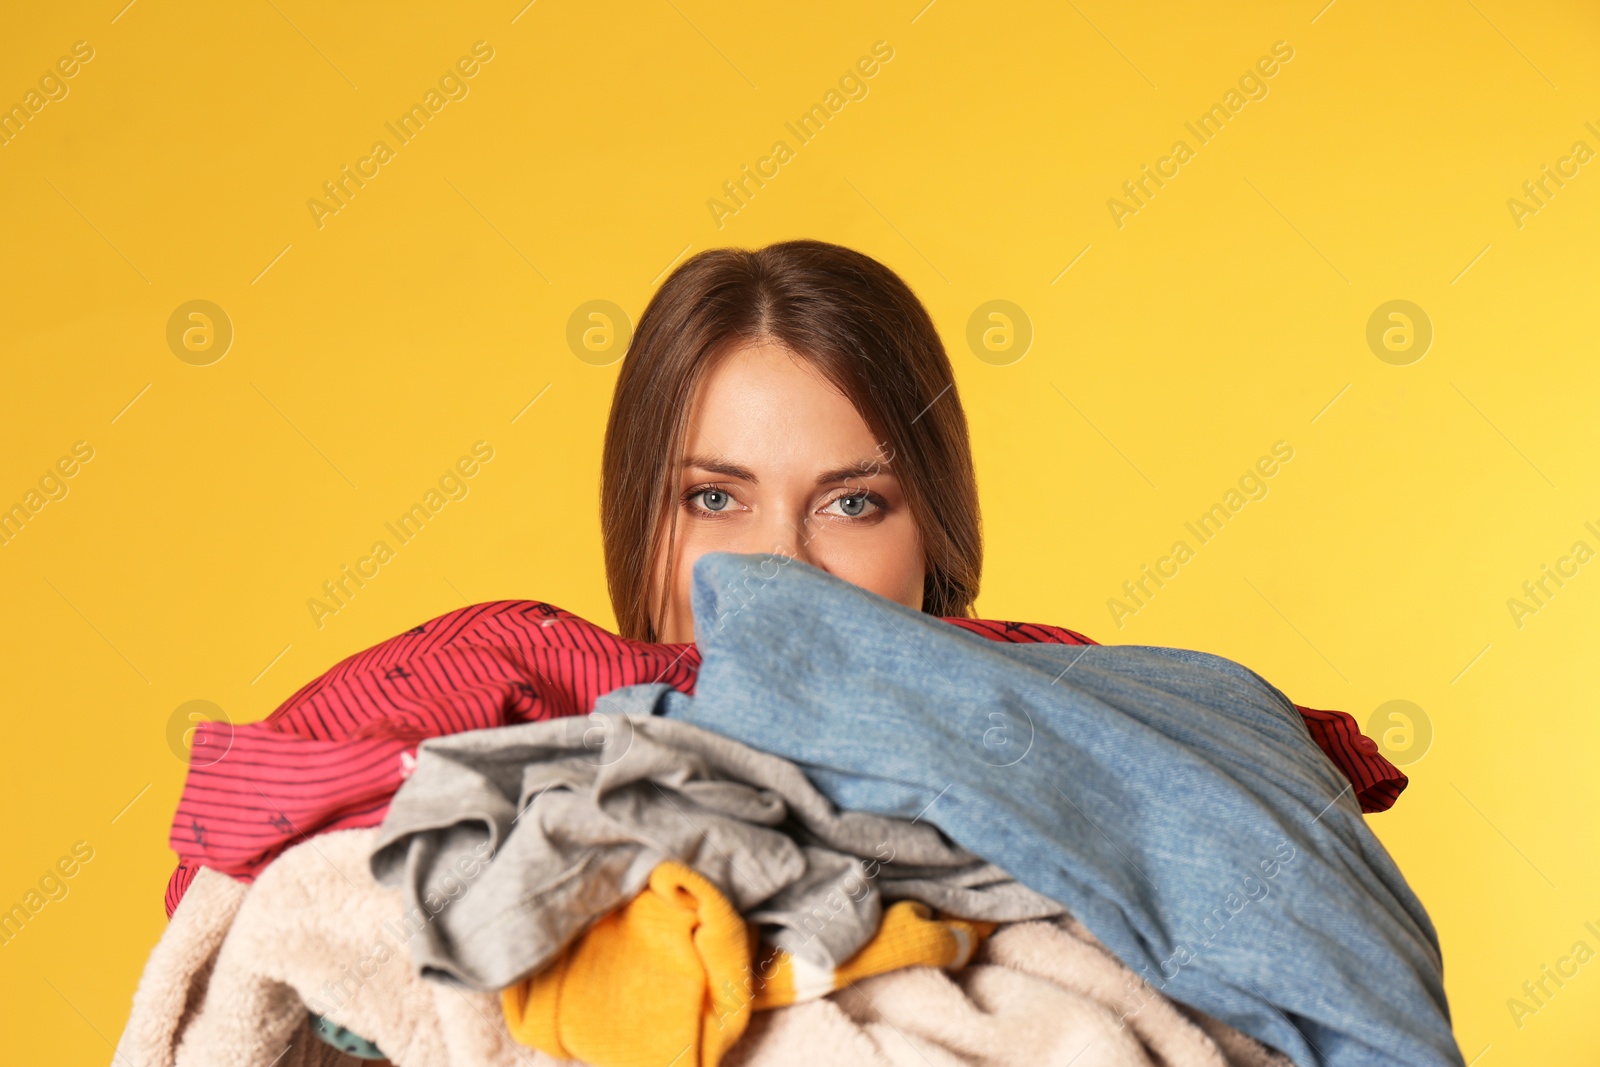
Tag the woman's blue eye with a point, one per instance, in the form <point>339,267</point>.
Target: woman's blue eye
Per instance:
<point>855,505</point>
<point>714,499</point>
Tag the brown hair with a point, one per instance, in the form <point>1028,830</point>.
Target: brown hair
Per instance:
<point>862,328</point>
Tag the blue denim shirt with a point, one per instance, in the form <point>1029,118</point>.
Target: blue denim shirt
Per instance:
<point>1171,799</point>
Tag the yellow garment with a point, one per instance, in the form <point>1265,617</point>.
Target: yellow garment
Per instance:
<point>657,982</point>
<point>909,936</point>
<point>666,980</point>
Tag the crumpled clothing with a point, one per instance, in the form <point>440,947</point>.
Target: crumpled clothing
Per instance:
<point>911,935</point>
<point>332,754</point>
<point>525,835</point>
<point>678,956</point>
<point>1036,992</point>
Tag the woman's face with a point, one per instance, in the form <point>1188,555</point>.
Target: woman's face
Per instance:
<point>776,459</point>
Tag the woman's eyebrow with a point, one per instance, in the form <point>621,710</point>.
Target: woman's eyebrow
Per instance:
<point>861,468</point>
<point>722,467</point>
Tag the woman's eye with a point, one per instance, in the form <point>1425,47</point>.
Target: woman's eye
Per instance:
<point>713,499</point>
<point>854,506</point>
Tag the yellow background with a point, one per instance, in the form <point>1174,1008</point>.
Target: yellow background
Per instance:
<point>1229,313</point>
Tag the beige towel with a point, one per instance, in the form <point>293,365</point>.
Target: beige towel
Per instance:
<point>173,987</point>
<point>1043,992</point>
<point>230,982</point>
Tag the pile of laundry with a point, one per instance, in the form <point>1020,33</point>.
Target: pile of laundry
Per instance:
<point>509,836</point>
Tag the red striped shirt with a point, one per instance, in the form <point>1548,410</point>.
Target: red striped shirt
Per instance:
<point>332,756</point>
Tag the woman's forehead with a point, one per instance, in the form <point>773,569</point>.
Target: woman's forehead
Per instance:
<point>764,406</point>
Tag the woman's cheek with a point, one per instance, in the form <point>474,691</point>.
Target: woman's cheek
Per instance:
<point>889,565</point>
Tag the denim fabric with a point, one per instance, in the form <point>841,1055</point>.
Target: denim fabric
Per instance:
<point>1171,799</point>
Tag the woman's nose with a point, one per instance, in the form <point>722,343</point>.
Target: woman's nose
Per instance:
<point>792,534</point>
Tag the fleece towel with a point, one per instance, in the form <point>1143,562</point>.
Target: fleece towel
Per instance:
<point>240,968</point>
<point>1038,992</point>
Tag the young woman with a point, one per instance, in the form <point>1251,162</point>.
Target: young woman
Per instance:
<point>795,399</point>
